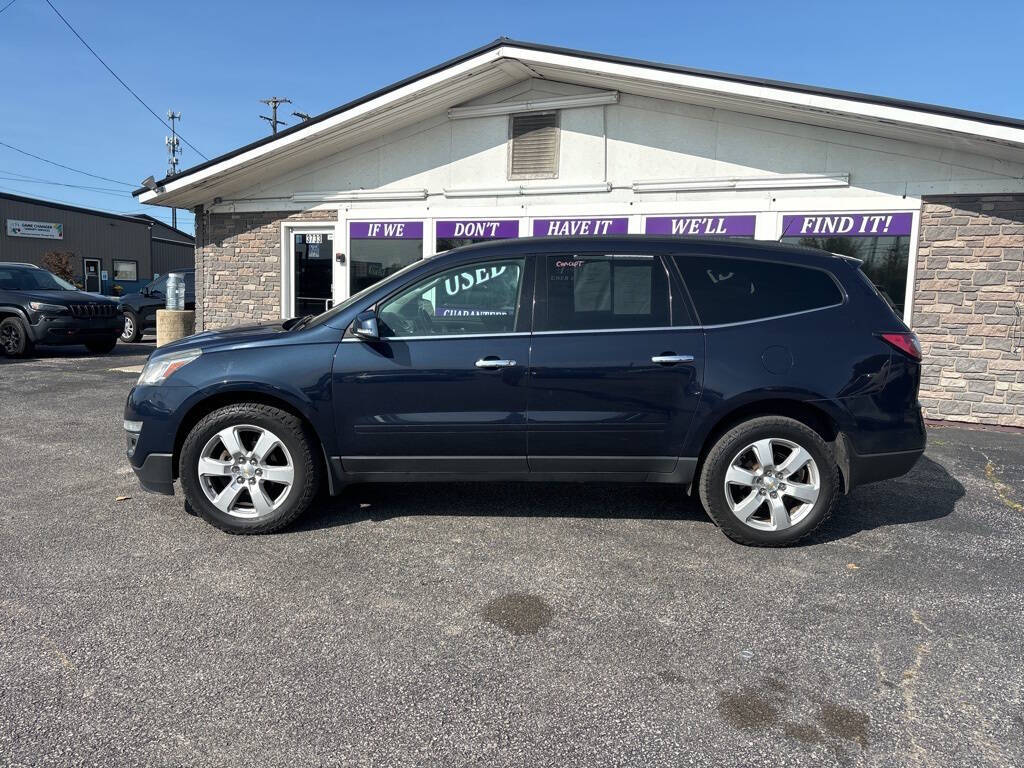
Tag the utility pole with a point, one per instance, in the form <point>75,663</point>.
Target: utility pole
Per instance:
<point>173,152</point>
<point>273,102</point>
<point>302,116</point>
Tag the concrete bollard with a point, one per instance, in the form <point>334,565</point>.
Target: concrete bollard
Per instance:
<point>174,324</point>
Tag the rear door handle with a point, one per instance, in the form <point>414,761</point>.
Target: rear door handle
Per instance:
<point>671,359</point>
<point>492,362</point>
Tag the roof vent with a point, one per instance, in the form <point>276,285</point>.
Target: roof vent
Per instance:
<point>533,151</point>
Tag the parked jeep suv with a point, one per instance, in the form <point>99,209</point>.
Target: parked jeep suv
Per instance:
<point>37,307</point>
<point>139,309</point>
<point>765,379</point>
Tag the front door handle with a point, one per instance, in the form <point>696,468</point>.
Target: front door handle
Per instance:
<point>670,359</point>
<point>493,362</point>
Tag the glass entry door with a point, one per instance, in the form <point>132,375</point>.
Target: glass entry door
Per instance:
<point>313,265</point>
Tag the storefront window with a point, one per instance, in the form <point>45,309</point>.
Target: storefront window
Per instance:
<point>454,234</point>
<point>880,240</point>
<point>381,248</point>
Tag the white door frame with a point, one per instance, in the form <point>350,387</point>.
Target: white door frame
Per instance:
<point>288,231</point>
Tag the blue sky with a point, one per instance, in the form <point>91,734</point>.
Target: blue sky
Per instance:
<point>214,60</point>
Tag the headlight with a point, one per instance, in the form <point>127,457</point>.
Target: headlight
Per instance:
<point>157,371</point>
<point>50,309</point>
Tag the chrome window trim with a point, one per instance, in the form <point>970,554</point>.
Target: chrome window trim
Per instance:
<point>774,317</point>
<point>441,337</point>
<point>619,330</point>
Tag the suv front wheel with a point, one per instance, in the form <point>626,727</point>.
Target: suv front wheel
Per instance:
<point>14,339</point>
<point>769,482</point>
<point>249,468</point>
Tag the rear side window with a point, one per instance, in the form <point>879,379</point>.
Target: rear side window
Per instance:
<point>587,293</point>
<point>736,290</point>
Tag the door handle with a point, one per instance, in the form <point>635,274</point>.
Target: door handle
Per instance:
<point>492,362</point>
<point>671,359</point>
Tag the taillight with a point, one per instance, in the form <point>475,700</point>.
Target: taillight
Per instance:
<point>906,343</point>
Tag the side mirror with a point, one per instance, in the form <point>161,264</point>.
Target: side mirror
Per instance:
<point>366,326</point>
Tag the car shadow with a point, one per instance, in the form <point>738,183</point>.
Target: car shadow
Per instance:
<point>927,493</point>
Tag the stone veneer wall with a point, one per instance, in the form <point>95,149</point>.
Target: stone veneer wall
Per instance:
<point>967,308</point>
<point>238,265</point>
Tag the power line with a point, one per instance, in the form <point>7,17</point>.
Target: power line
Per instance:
<point>116,77</point>
<point>66,167</point>
<point>8,6</point>
<point>15,176</point>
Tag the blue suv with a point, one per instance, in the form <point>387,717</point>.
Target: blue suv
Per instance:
<point>766,379</point>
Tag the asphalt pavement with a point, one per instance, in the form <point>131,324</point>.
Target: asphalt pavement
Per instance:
<point>487,625</point>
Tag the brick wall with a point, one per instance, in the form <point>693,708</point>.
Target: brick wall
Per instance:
<point>970,289</point>
<point>238,265</point>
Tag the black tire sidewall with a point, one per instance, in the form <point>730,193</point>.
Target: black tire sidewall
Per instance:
<point>136,332</point>
<point>26,343</point>
<point>282,424</point>
<point>713,479</point>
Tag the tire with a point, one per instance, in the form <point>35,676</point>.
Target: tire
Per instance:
<point>745,508</point>
<point>132,331</point>
<point>14,338</point>
<point>101,346</point>
<point>256,504</point>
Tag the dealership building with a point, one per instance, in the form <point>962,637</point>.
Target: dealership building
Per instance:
<point>108,252</point>
<point>517,139</point>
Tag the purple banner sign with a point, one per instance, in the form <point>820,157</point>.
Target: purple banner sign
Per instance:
<point>847,225</point>
<point>385,230</point>
<point>574,227</point>
<point>701,226</point>
<point>480,229</point>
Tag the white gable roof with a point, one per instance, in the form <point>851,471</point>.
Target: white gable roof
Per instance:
<point>506,62</point>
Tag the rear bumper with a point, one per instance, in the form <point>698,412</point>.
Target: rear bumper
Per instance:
<point>156,474</point>
<point>872,467</point>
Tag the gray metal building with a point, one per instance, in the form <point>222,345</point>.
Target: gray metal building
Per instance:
<point>107,249</point>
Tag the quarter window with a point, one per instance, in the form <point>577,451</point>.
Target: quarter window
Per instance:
<point>736,290</point>
<point>605,292</point>
<point>471,299</point>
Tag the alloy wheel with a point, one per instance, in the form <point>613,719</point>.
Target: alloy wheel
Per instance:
<point>246,471</point>
<point>772,484</point>
<point>10,339</point>
<point>129,328</point>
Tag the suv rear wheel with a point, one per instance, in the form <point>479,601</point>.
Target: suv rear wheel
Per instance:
<point>14,338</point>
<point>249,468</point>
<point>769,482</point>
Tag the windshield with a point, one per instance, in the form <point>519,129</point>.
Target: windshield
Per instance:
<point>28,279</point>
<point>355,298</point>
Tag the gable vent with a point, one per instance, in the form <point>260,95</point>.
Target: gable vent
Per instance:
<point>533,153</point>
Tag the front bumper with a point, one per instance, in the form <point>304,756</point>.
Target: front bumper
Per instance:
<point>62,329</point>
<point>156,474</point>
<point>153,414</point>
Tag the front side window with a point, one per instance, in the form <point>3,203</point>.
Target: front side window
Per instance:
<point>726,290</point>
<point>158,287</point>
<point>605,292</point>
<point>471,299</point>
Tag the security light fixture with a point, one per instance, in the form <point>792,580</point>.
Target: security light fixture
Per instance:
<point>149,183</point>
